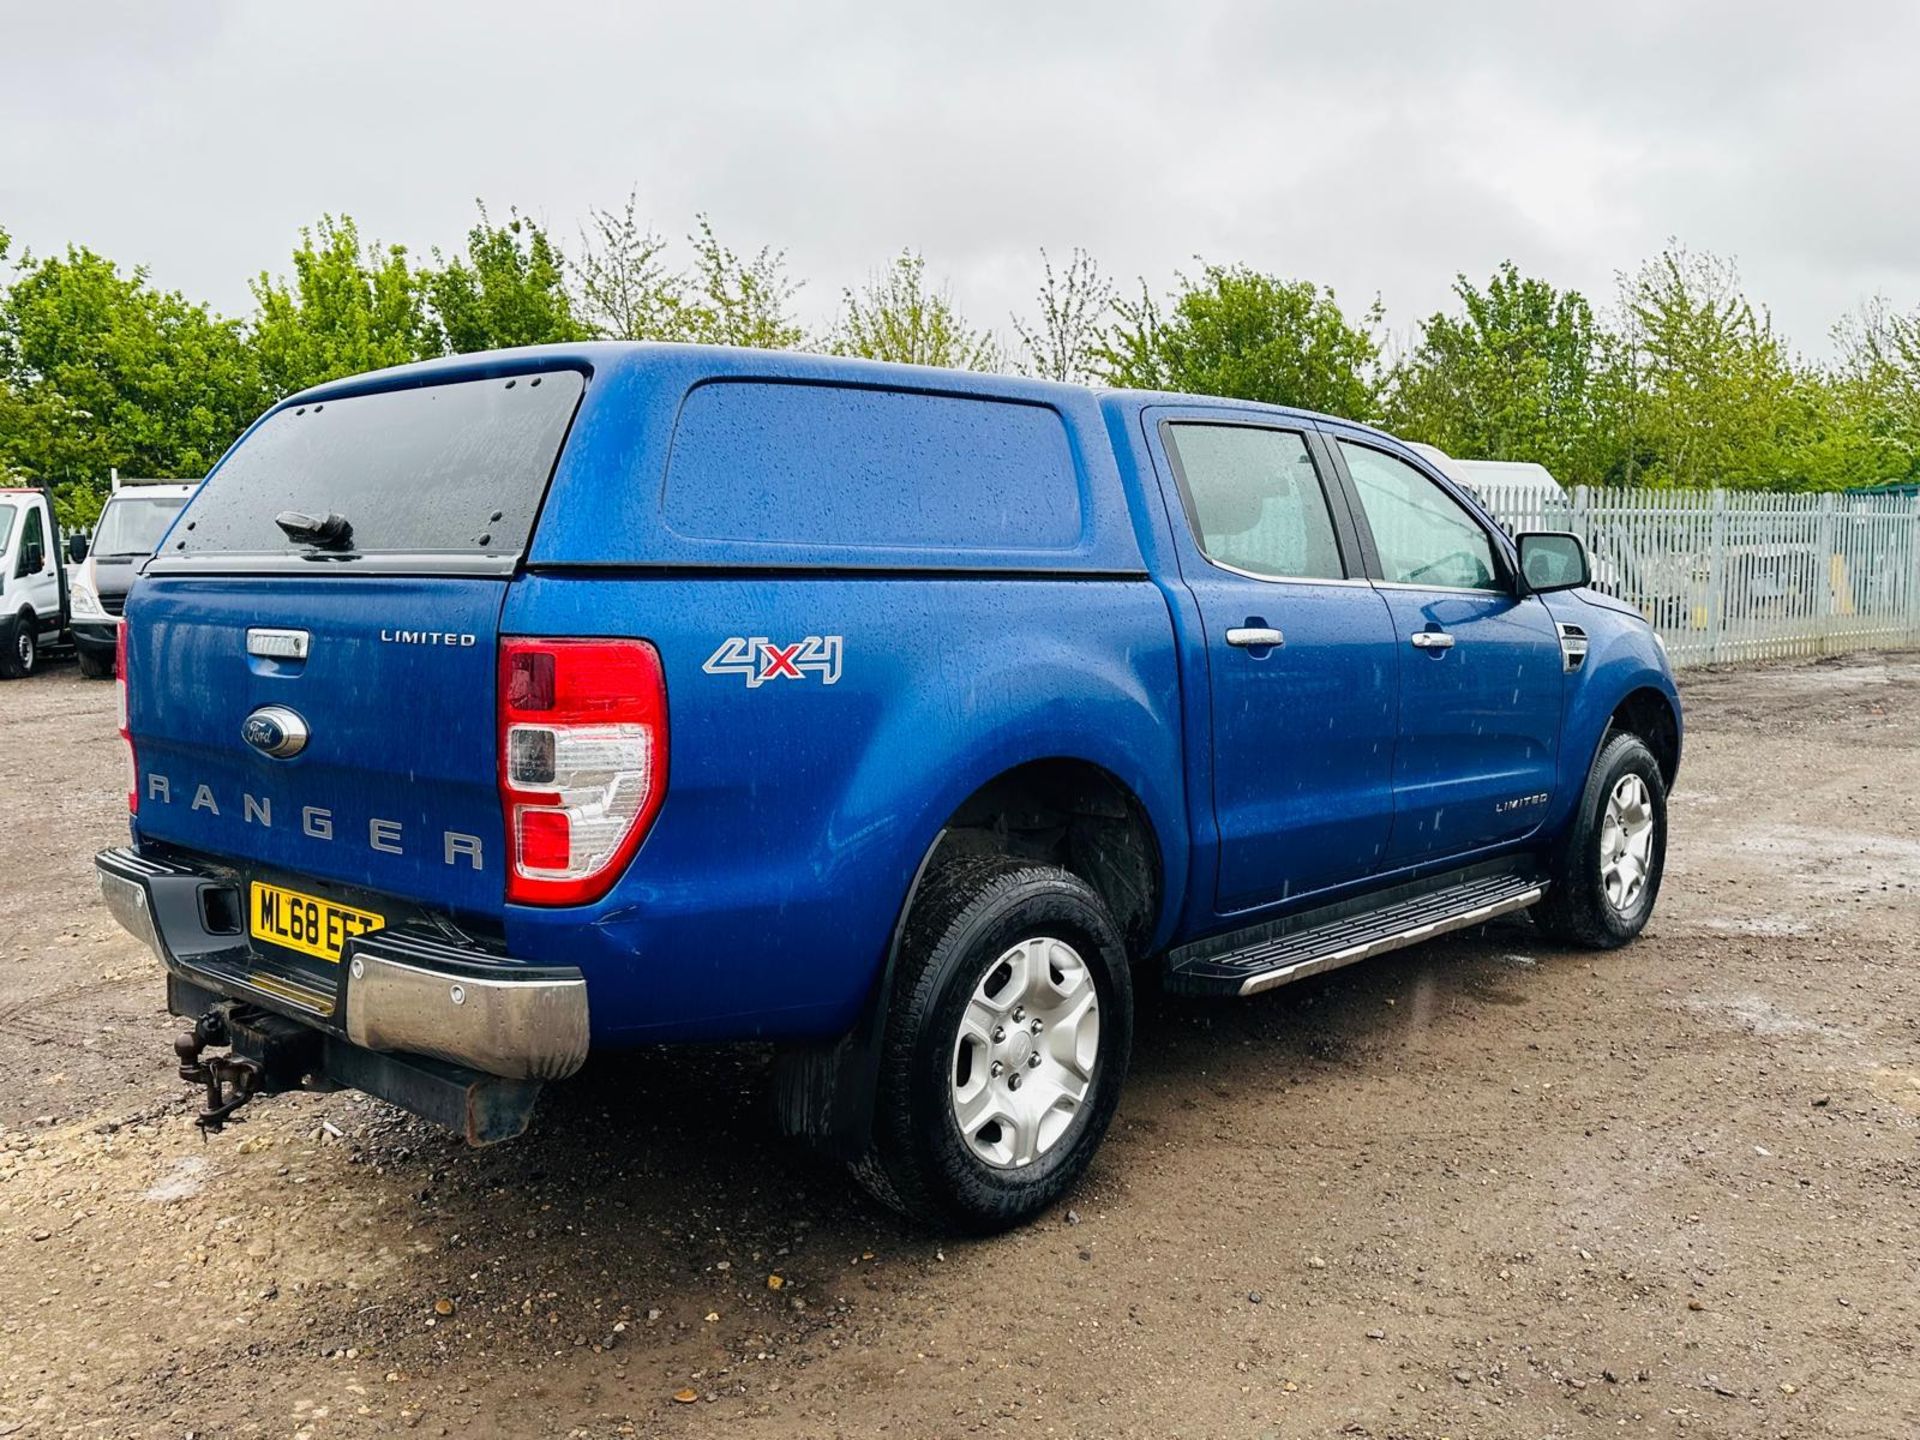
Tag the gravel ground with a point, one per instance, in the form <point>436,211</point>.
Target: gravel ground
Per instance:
<point>1486,1188</point>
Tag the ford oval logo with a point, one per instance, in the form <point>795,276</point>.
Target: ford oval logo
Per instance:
<point>275,730</point>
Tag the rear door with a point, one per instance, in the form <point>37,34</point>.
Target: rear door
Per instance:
<point>379,642</point>
<point>1480,669</point>
<point>1299,655</point>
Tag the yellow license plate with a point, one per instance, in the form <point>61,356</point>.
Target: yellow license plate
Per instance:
<point>306,923</point>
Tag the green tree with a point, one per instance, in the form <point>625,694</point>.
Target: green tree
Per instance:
<point>738,302</point>
<point>1061,343</point>
<point>101,369</point>
<point>1522,372</point>
<point>623,289</point>
<point>347,309</point>
<point>627,291</point>
<point>1132,352</point>
<point>78,503</point>
<point>1878,382</point>
<point>898,316</point>
<point>16,417</point>
<point>1237,332</point>
<point>1713,388</point>
<point>508,289</point>
<point>1839,436</point>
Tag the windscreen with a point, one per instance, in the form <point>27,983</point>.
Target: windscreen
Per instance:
<point>456,469</point>
<point>7,513</point>
<point>133,524</point>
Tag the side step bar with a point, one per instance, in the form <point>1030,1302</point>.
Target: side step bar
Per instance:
<point>1246,962</point>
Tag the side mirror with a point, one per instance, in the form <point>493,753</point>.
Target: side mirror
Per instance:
<point>1553,560</point>
<point>76,547</point>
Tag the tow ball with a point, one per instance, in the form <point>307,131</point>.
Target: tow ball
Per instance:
<point>267,1053</point>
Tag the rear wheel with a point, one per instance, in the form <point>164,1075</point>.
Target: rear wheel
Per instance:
<point>1607,875</point>
<point>1006,1045</point>
<point>20,647</point>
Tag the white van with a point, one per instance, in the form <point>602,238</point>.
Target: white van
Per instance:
<point>33,586</point>
<point>1522,494</point>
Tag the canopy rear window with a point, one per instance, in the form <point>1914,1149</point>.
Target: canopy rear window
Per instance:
<point>454,471</point>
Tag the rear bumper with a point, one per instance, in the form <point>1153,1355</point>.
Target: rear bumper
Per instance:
<point>397,992</point>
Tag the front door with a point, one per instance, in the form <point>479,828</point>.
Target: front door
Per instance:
<point>1480,669</point>
<point>36,580</point>
<point>1300,663</point>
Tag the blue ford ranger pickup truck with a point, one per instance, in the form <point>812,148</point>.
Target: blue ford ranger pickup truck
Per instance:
<point>487,713</point>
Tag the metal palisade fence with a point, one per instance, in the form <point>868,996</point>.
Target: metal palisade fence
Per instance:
<point>1733,575</point>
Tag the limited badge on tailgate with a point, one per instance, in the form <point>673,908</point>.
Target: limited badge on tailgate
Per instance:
<point>306,923</point>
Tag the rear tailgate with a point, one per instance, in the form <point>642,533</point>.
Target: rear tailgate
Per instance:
<point>371,628</point>
<point>395,788</point>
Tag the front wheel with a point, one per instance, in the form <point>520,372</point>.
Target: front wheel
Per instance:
<point>96,666</point>
<point>19,647</point>
<point>1005,1048</point>
<point>1607,874</point>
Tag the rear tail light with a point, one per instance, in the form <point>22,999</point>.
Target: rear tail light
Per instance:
<point>583,763</point>
<point>126,732</point>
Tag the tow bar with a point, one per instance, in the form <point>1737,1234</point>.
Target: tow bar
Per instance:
<point>268,1053</point>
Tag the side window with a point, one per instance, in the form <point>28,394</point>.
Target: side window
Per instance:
<point>780,463</point>
<point>1423,535</point>
<point>1256,501</point>
<point>33,546</point>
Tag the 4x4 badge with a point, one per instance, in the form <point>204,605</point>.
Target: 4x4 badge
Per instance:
<point>761,660</point>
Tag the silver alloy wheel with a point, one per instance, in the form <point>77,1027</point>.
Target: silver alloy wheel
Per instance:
<point>1626,842</point>
<point>23,643</point>
<point>1025,1055</point>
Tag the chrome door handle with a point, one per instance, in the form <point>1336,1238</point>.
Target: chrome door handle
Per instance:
<point>1255,637</point>
<point>1432,640</point>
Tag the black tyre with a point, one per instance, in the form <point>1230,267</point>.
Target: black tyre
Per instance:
<point>1606,876</point>
<point>19,647</point>
<point>1006,1045</point>
<point>95,666</point>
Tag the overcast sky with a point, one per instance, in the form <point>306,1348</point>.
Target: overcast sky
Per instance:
<point>1377,148</point>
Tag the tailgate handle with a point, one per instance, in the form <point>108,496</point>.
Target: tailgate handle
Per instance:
<point>278,644</point>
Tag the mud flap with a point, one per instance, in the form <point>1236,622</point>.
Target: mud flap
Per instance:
<point>824,1094</point>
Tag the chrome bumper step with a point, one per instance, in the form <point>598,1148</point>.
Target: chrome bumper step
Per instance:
<point>394,991</point>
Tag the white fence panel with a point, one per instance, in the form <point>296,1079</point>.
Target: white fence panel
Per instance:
<point>1727,576</point>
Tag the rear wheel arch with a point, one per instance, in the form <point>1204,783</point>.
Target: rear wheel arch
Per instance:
<point>1062,811</point>
<point>1079,816</point>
